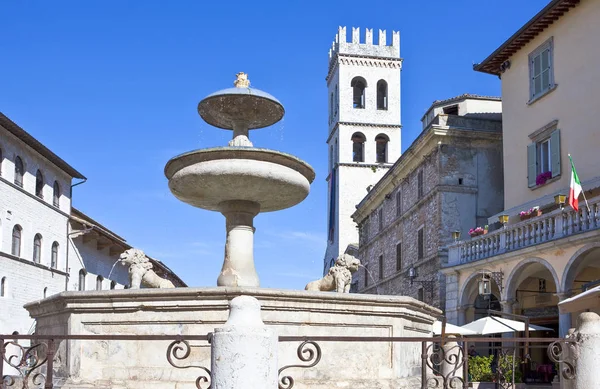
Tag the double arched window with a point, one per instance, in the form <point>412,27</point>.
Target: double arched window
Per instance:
<point>39,184</point>
<point>54,257</point>
<point>56,194</point>
<point>382,95</point>
<point>358,147</point>
<point>37,248</point>
<point>16,241</point>
<point>382,141</point>
<point>358,85</point>
<point>19,171</point>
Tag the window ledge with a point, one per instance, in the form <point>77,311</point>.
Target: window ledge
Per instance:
<point>553,179</point>
<point>536,98</point>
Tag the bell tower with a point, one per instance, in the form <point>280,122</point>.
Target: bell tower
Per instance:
<point>363,138</point>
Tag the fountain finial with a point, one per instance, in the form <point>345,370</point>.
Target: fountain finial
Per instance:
<point>241,80</point>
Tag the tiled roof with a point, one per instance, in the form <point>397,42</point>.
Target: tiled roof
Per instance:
<point>552,12</point>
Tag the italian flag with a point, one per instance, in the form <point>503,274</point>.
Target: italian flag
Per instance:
<point>575,190</point>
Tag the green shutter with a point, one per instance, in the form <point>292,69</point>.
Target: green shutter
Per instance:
<point>531,164</point>
<point>555,152</point>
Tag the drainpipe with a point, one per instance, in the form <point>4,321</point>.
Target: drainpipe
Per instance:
<point>69,234</point>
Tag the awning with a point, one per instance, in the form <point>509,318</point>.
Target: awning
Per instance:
<point>586,300</point>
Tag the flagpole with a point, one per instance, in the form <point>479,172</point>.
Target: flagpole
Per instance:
<point>582,191</point>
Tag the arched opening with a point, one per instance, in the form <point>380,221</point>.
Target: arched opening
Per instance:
<point>3,287</point>
<point>358,147</point>
<point>475,305</point>
<point>382,95</point>
<point>99,281</point>
<point>37,248</point>
<point>382,141</point>
<point>56,194</point>
<point>54,256</point>
<point>16,241</point>
<point>113,284</point>
<point>45,292</point>
<point>531,288</point>
<point>82,275</point>
<point>19,171</point>
<point>358,85</point>
<point>39,184</point>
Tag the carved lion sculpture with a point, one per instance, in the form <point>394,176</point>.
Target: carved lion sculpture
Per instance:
<point>339,277</point>
<point>140,271</point>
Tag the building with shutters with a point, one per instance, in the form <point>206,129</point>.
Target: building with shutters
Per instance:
<point>539,250</point>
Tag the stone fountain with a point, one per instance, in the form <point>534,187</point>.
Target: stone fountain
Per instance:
<point>240,181</point>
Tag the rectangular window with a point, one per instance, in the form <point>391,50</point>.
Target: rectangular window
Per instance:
<point>366,275</point>
<point>399,256</point>
<point>543,159</point>
<point>398,203</point>
<point>380,217</point>
<point>381,267</point>
<point>541,70</point>
<point>420,244</point>
<point>420,184</point>
<point>421,294</point>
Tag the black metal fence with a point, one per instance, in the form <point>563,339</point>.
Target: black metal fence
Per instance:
<point>445,362</point>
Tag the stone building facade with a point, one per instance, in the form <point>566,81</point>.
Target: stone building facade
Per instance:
<point>47,246</point>
<point>444,181</point>
<point>363,139</point>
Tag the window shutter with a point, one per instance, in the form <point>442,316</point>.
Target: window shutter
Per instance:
<point>531,164</point>
<point>555,152</point>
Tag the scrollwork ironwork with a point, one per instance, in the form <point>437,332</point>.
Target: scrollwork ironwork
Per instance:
<point>26,361</point>
<point>558,354</point>
<point>453,359</point>
<point>180,350</point>
<point>308,351</point>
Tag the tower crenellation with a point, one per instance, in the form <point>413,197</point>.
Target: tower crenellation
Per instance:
<point>365,47</point>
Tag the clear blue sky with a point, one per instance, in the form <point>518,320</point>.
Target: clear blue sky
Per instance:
<point>112,87</point>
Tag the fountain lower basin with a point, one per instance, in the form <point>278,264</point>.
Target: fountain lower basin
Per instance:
<point>210,178</point>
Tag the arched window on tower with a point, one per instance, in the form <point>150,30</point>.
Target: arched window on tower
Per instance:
<point>19,171</point>
<point>382,95</point>
<point>82,275</point>
<point>54,257</point>
<point>16,241</point>
<point>56,194</point>
<point>39,184</point>
<point>382,141</point>
<point>37,248</point>
<point>358,85</point>
<point>358,147</point>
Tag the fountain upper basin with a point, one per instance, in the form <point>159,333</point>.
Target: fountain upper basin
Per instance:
<point>209,177</point>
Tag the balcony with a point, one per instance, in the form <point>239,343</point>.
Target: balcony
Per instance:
<point>541,229</point>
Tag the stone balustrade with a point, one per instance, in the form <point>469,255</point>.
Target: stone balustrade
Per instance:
<point>540,229</point>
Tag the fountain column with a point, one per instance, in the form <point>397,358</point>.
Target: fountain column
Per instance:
<point>238,266</point>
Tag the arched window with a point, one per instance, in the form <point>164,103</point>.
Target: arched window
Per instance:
<point>82,275</point>
<point>19,171</point>
<point>39,184</point>
<point>336,101</point>
<point>56,194</point>
<point>3,287</point>
<point>382,144</point>
<point>45,291</point>
<point>16,241</point>
<point>113,284</point>
<point>54,257</point>
<point>382,92</point>
<point>358,85</point>
<point>99,281</point>
<point>37,248</point>
<point>358,147</point>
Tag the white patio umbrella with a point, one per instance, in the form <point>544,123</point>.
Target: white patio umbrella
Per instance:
<point>587,300</point>
<point>451,329</point>
<point>498,325</point>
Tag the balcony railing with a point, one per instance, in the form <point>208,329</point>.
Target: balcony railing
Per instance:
<point>540,229</point>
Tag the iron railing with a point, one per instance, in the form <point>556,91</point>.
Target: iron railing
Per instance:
<point>444,360</point>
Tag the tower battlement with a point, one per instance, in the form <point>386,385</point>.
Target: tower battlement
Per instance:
<point>365,47</point>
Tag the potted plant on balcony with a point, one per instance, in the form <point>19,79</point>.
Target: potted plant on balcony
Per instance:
<point>473,232</point>
<point>542,178</point>
<point>533,212</point>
